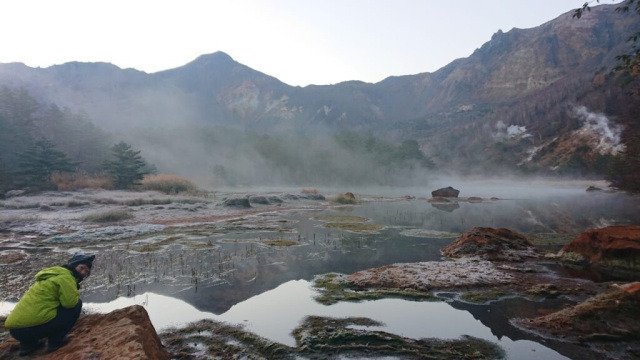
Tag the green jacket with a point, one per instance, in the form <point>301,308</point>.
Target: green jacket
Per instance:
<point>54,286</point>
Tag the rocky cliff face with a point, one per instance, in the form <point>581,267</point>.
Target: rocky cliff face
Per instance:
<point>121,334</point>
<point>512,102</point>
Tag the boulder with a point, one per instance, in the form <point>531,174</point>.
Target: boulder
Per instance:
<point>121,334</point>
<point>446,192</point>
<point>349,195</point>
<point>593,188</point>
<point>237,202</point>
<point>491,244</point>
<point>474,199</point>
<point>616,246</point>
<point>610,316</point>
<point>258,199</point>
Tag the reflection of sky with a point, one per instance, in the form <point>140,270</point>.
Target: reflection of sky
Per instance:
<point>275,313</point>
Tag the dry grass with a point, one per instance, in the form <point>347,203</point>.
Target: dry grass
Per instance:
<point>69,182</point>
<point>168,184</point>
<point>309,191</point>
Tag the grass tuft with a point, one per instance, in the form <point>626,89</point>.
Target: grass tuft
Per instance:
<point>168,184</point>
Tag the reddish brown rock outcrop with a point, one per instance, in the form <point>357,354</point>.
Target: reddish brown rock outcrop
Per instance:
<point>611,246</point>
<point>491,244</point>
<point>612,315</point>
<point>121,334</point>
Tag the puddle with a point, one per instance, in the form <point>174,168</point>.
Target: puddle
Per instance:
<point>275,313</point>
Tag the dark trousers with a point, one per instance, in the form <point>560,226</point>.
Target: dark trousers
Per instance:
<point>55,330</point>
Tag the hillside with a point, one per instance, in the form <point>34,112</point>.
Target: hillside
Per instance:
<point>539,99</point>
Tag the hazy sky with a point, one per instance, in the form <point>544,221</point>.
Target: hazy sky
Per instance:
<point>300,42</point>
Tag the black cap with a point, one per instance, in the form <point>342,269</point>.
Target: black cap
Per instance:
<point>79,258</point>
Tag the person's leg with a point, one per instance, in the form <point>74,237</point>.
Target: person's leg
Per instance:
<point>30,339</point>
<point>58,328</point>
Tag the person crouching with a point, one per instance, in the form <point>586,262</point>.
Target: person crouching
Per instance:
<point>50,307</point>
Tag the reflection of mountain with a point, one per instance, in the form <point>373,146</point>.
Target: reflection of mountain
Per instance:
<point>497,314</point>
<point>516,101</point>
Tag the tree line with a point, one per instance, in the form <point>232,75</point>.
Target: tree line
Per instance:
<point>38,141</point>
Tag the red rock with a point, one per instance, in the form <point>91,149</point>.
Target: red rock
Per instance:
<point>121,334</point>
<point>349,195</point>
<point>491,244</point>
<point>616,245</point>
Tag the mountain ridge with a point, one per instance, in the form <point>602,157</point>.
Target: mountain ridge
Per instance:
<point>530,78</point>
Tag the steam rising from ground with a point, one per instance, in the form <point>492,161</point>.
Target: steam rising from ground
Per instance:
<point>507,132</point>
<point>607,132</point>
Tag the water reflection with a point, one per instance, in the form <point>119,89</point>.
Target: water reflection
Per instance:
<point>275,313</point>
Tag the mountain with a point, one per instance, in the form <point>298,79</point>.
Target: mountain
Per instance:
<point>541,99</point>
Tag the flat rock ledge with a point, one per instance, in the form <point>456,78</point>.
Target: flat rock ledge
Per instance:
<point>432,275</point>
<point>121,334</point>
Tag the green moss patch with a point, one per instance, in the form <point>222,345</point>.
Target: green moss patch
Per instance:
<point>341,218</point>
<point>483,296</point>
<point>281,242</point>
<point>333,288</point>
<point>364,228</point>
<point>319,335</point>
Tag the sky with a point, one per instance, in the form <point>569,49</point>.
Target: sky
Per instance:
<point>300,42</point>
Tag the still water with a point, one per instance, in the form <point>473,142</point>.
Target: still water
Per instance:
<point>267,289</point>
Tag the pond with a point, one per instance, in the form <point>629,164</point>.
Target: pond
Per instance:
<point>232,274</point>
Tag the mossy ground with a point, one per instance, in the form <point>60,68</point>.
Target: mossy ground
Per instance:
<point>483,296</point>
<point>317,338</point>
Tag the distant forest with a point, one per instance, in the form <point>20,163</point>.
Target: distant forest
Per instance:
<point>39,140</point>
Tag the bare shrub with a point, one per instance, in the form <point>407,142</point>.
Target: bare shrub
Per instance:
<point>309,191</point>
<point>167,183</point>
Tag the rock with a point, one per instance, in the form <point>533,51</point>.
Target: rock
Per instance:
<point>438,199</point>
<point>612,315</point>
<point>349,195</point>
<point>612,246</point>
<point>474,199</point>
<point>274,199</point>
<point>491,244</point>
<point>257,199</point>
<point>431,275</point>
<point>290,196</point>
<point>13,193</point>
<point>312,196</point>
<point>237,202</point>
<point>446,192</point>
<point>121,334</point>
<point>593,188</point>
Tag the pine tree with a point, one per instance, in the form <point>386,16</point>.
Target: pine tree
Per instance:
<point>41,160</point>
<point>128,167</point>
